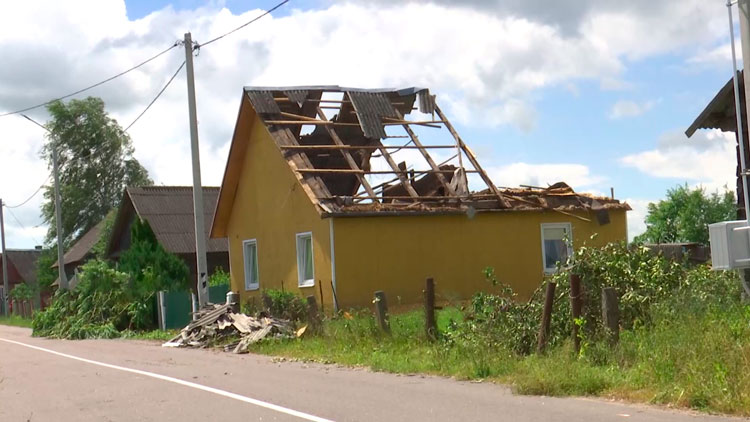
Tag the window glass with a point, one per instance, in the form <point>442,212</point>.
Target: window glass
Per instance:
<point>556,247</point>
<point>305,269</point>
<point>251,264</point>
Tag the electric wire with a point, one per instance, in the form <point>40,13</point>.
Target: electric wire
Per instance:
<point>32,195</point>
<point>267,12</point>
<point>177,43</point>
<point>20,224</point>
<point>157,96</point>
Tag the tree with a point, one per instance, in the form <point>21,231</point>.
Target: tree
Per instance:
<point>685,214</point>
<point>95,160</point>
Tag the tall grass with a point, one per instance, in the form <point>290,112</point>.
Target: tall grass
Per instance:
<point>692,355</point>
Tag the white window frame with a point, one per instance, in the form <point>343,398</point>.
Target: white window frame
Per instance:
<point>569,241</point>
<point>249,285</point>
<point>301,281</point>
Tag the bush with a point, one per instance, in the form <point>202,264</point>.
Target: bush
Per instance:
<point>22,292</point>
<point>219,278</point>
<point>643,280</point>
<point>286,305</point>
<point>98,307</point>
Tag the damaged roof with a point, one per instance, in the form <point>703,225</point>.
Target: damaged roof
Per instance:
<point>169,212</point>
<point>343,145</point>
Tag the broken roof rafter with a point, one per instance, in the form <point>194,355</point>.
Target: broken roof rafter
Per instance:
<point>333,163</point>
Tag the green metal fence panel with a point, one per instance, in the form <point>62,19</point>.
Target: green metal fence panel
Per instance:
<point>218,294</point>
<point>179,308</point>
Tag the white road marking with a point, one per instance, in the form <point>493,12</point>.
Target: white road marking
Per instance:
<point>223,393</point>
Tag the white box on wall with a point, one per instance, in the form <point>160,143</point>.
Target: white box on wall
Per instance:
<point>730,245</point>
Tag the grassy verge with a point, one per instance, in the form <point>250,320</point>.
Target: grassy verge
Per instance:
<point>160,335</point>
<point>696,357</point>
<point>15,321</point>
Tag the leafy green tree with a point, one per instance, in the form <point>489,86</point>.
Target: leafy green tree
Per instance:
<point>685,214</point>
<point>95,159</point>
<point>150,266</point>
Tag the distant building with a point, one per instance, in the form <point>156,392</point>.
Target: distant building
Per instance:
<point>21,269</point>
<point>168,210</point>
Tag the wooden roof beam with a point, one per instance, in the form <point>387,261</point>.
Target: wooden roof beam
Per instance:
<point>427,157</point>
<point>347,155</point>
<point>474,162</point>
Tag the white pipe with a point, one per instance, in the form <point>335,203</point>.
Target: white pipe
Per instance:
<point>738,112</point>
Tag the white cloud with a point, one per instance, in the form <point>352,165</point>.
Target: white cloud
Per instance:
<point>719,57</point>
<point>577,176</point>
<point>707,159</point>
<point>627,108</point>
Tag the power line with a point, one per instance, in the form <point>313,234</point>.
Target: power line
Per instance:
<point>157,96</point>
<point>94,85</point>
<point>24,227</point>
<point>32,195</point>
<point>243,25</point>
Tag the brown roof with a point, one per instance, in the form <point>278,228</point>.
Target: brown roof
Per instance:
<point>169,212</point>
<point>81,249</point>
<point>334,160</point>
<point>24,261</point>
<point>720,113</point>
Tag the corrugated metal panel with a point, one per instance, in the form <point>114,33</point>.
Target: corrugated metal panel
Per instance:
<point>83,246</point>
<point>297,95</point>
<point>371,108</point>
<point>169,212</point>
<point>263,101</point>
<point>426,101</point>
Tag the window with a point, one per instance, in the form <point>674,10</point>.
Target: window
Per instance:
<point>556,245</point>
<point>305,268</point>
<point>250,252</point>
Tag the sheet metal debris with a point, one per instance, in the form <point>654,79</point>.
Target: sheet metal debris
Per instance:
<point>218,322</point>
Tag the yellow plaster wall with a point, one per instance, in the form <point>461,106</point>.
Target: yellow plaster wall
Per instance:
<point>396,254</point>
<point>271,207</point>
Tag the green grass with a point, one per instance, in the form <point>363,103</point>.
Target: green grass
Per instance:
<point>692,357</point>
<point>160,335</point>
<point>15,321</point>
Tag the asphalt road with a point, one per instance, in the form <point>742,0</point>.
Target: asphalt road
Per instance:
<point>121,380</point>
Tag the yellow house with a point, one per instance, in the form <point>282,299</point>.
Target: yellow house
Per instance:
<point>343,206</point>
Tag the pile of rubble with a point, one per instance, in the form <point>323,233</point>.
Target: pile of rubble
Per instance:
<point>215,323</point>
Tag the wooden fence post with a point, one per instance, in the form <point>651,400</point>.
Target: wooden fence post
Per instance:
<point>549,300</point>
<point>611,314</point>
<point>576,305</point>
<point>430,324</point>
<point>313,315</point>
<point>381,311</point>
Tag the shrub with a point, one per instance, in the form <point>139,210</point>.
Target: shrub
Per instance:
<point>219,278</point>
<point>286,305</point>
<point>99,306</point>
<point>22,291</point>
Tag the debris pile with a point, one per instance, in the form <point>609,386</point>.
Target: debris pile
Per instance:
<point>219,322</point>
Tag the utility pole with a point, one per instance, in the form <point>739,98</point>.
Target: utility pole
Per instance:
<point>58,221</point>
<point>200,234</point>
<point>6,283</point>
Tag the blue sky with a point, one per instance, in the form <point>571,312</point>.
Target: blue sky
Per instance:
<point>596,93</point>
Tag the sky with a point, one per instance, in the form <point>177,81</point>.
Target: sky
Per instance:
<point>596,93</point>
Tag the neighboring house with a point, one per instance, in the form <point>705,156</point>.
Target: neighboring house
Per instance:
<point>79,253</point>
<point>169,212</point>
<point>300,214</point>
<point>720,113</point>
<point>21,268</point>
